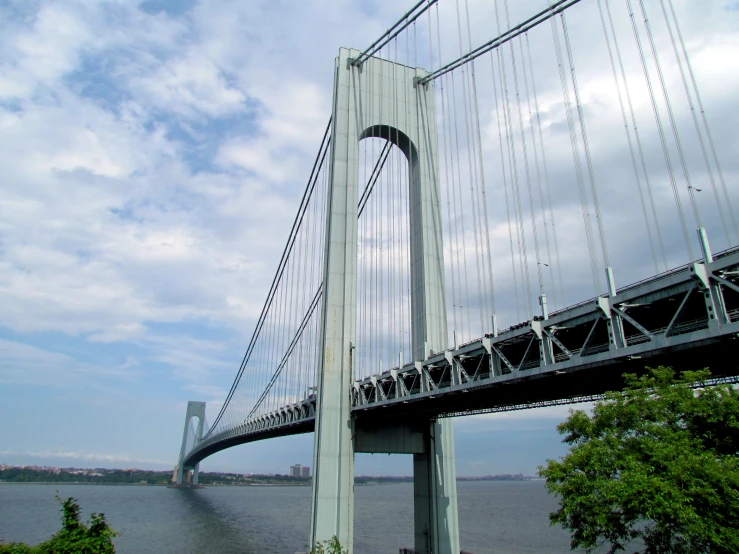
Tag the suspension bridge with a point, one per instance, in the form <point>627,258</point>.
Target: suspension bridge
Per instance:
<point>458,246</point>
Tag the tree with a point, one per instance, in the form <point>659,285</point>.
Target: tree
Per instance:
<point>657,463</point>
<point>332,546</point>
<point>74,537</point>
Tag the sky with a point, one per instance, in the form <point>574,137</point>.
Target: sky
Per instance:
<point>153,156</point>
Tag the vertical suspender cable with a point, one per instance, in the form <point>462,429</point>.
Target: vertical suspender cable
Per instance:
<point>663,140</point>
<point>393,269</point>
<point>637,136</point>
<point>482,173</point>
<point>539,267</point>
<point>471,170</point>
<point>406,176</point>
<point>286,328</point>
<point>285,321</point>
<point>520,237</point>
<point>476,178</point>
<point>323,262</point>
<point>312,339</point>
<point>291,324</point>
<point>458,212</point>
<point>297,315</point>
<point>707,129</point>
<point>367,215</point>
<point>279,326</point>
<point>392,266</point>
<point>695,122</point>
<point>362,315</point>
<point>548,188</point>
<point>586,145</point>
<point>307,286</point>
<point>576,157</point>
<point>516,183</point>
<point>628,137</point>
<point>505,109</point>
<point>383,193</point>
<point>549,263</point>
<point>498,110</point>
<point>404,242</point>
<point>447,182</point>
<point>673,124</point>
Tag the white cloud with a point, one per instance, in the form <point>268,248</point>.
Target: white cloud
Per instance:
<point>119,333</point>
<point>43,52</point>
<point>25,364</point>
<point>85,457</point>
<point>191,86</point>
<point>293,120</point>
<point>30,356</point>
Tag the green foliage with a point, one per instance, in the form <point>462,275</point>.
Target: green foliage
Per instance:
<point>657,462</point>
<point>128,476</point>
<point>237,479</point>
<point>328,547</point>
<point>74,538</point>
<point>19,548</point>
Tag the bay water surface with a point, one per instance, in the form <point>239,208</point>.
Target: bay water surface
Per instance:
<point>508,517</point>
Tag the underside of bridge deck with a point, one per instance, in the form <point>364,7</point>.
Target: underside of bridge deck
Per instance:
<point>293,428</point>
<point>530,391</point>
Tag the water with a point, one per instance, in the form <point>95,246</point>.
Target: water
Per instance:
<point>494,517</point>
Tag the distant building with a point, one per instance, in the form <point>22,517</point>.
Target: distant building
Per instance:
<point>299,471</point>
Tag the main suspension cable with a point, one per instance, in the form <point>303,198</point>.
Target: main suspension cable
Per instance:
<point>541,17</point>
<point>404,22</point>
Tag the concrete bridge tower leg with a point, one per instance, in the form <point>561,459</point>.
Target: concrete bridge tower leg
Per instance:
<point>194,409</point>
<point>435,518</point>
<point>198,437</point>
<point>381,99</point>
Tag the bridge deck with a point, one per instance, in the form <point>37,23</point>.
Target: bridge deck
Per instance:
<point>671,319</point>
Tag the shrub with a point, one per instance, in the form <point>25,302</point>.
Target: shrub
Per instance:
<point>331,546</point>
<point>74,537</point>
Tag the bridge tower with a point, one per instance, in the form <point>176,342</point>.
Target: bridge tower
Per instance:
<point>194,409</point>
<point>378,98</point>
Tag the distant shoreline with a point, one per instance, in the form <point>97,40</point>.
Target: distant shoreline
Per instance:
<point>83,483</point>
<point>139,477</point>
<point>372,483</point>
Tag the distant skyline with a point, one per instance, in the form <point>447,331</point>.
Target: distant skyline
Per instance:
<point>153,155</point>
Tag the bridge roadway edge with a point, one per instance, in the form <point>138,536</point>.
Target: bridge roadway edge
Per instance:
<point>516,394</point>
